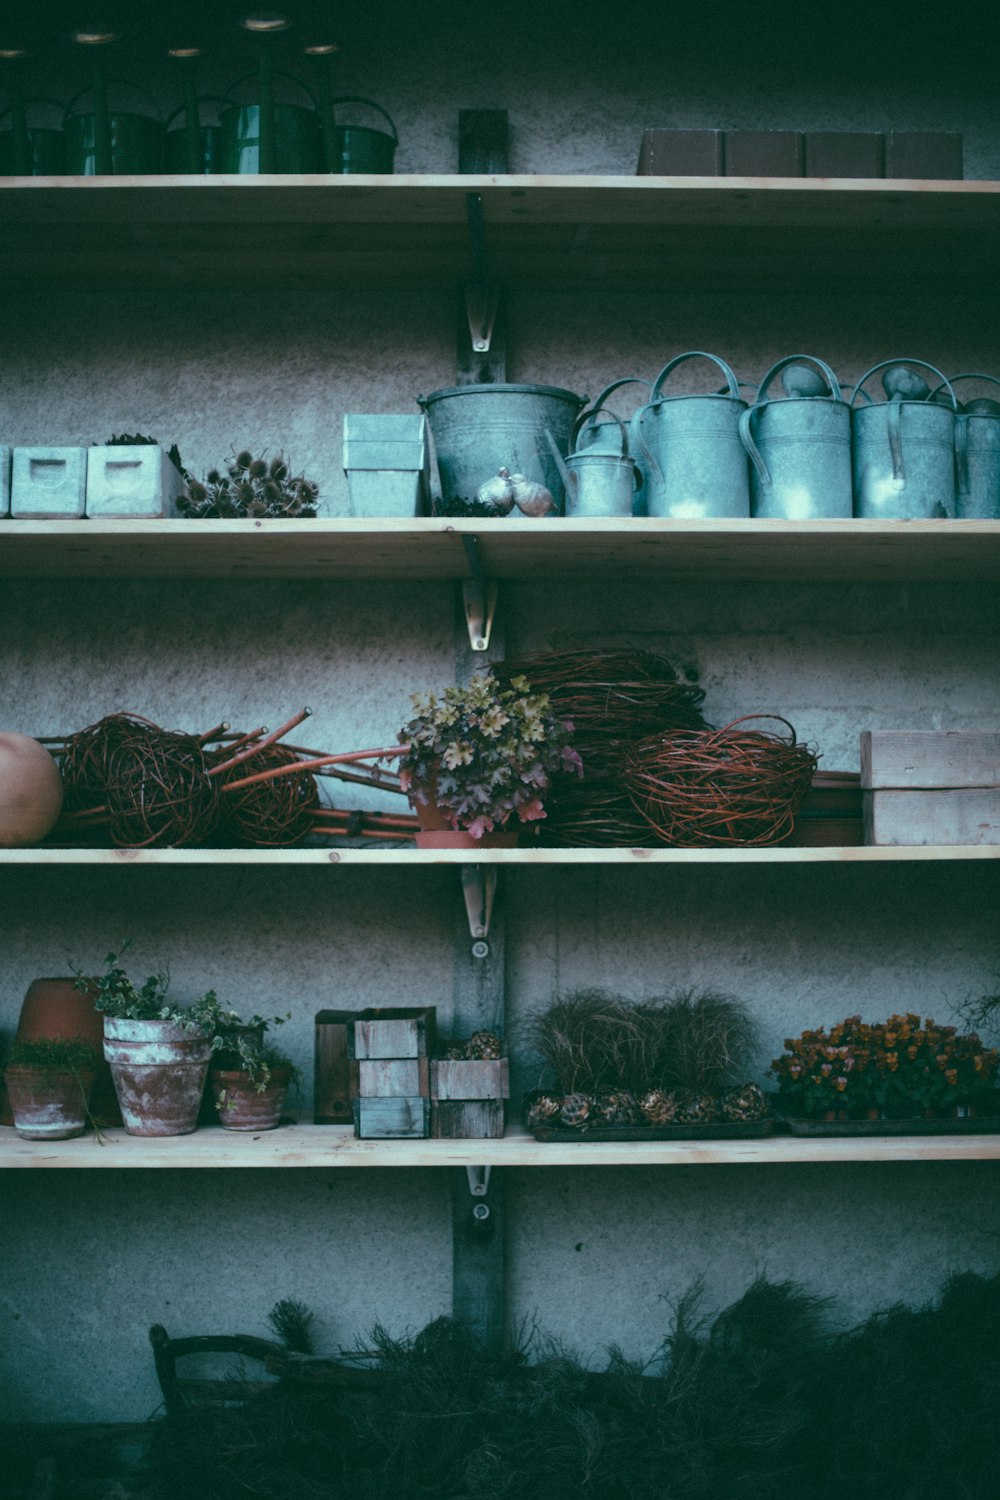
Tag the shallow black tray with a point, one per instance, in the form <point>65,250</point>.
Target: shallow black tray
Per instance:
<point>968,1125</point>
<point>735,1130</point>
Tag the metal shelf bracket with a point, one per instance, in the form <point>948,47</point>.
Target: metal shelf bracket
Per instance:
<point>479,598</point>
<point>479,1180</point>
<point>479,888</point>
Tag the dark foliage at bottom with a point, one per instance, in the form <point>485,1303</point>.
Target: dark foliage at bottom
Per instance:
<point>764,1402</point>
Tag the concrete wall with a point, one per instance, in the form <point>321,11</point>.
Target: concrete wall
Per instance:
<point>91,1259</point>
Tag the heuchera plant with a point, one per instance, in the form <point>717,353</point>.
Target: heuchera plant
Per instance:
<point>899,1067</point>
<point>485,752</point>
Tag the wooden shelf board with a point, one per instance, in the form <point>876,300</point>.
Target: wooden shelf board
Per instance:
<point>336,1146</point>
<point>409,230</point>
<point>409,857</point>
<point>425,548</point>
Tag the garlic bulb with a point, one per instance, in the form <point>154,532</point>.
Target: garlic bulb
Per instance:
<point>530,498</point>
<point>498,493</point>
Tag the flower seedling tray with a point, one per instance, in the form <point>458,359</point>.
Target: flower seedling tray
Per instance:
<point>966,1125</point>
<point>717,1131</point>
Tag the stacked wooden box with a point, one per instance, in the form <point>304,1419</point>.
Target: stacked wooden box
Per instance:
<point>467,1097</point>
<point>391,1047</point>
<point>830,815</point>
<point>931,786</point>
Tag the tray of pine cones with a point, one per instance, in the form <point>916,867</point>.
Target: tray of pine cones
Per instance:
<point>658,1115</point>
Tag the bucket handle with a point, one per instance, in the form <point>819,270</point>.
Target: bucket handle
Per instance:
<point>359,99</point>
<point>732,383</point>
<point>277,73</point>
<point>585,416</point>
<point>962,433</point>
<point>746,417</point>
<point>895,414</point>
<point>204,99</point>
<point>111,83</point>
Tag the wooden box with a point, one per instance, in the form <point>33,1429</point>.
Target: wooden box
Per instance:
<point>680,153</point>
<point>336,1073</point>
<point>393,1078</point>
<point>470,1078</point>
<point>934,155</point>
<point>467,1119</point>
<point>845,153</point>
<point>393,1032</point>
<point>392,1119</point>
<point>931,786</point>
<point>763,153</point>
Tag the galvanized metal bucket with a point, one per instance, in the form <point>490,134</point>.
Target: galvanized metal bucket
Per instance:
<point>691,446</point>
<point>176,151</point>
<point>799,447</point>
<point>136,140</point>
<point>977,456</point>
<point>298,141</point>
<point>599,432</point>
<point>42,150</point>
<point>362,148</point>
<point>599,483</point>
<point>903,450</point>
<point>478,429</point>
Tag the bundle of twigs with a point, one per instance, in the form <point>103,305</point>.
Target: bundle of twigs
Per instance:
<point>612,698</point>
<point>730,786</point>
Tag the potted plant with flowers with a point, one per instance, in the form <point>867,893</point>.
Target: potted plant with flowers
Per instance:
<point>479,760</point>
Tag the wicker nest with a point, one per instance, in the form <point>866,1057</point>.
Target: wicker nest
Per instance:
<point>731,786</point>
<point>274,812</point>
<point>86,756</point>
<point>158,790</point>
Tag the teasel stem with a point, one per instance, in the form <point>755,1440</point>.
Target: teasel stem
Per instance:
<point>270,739</point>
<point>310,765</point>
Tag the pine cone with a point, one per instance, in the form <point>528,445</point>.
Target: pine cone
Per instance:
<point>457,1052</point>
<point>544,1110</point>
<point>747,1102</point>
<point>696,1109</point>
<point>618,1108</point>
<point>484,1045</point>
<point>575,1111</point>
<point>658,1107</point>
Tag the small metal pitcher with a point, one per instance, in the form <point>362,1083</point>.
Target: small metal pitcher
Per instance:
<point>597,482</point>
<point>977,456</point>
<point>799,447</point>
<point>600,433</point>
<point>691,446</point>
<point>136,140</point>
<point>903,449</point>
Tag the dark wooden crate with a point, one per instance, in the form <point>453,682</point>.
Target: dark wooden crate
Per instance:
<point>680,153</point>
<point>844,153</point>
<point>465,1119</point>
<point>336,1074</point>
<point>929,154</point>
<point>763,153</point>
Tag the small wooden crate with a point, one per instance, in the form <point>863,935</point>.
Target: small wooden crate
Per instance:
<point>393,1032</point>
<point>393,1078</point>
<point>468,1097</point>
<point>467,1119</point>
<point>931,786</point>
<point>336,1073</point>
<point>392,1119</point>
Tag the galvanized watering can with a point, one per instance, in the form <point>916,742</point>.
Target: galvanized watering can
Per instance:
<point>477,429</point>
<point>176,148</point>
<point>600,432</point>
<point>691,446</point>
<point>903,449</point>
<point>362,148</point>
<point>598,483</point>
<point>32,150</point>
<point>297,141</point>
<point>977,455</point>
<point>136,140</point>
<point>799,448</point>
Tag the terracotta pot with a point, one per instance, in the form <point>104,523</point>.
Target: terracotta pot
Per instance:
<point>436,831</point>
<point>48,1106</point>
<point>241,1106</point>
<point>159,1071</point>
<point>52,1010</point>
<point>31,791</point>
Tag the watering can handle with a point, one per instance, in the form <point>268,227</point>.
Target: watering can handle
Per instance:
<point>792,359</point>
<point>157,112</point>
<point>203,99</point>
<point>731,381</point>
<point>359,99</point>
<point>616,385</point>
<point>753,452</point>
<point>38,99</point>
<point>566,475</point>
<point>278,73</point>
<point>585,417</point>
<point>962,431</point>
<point>884,365</point>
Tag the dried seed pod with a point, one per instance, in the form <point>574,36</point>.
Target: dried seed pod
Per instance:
<point>575,1111</point>
<point>531,499</point>
<point>497,493</point>
<point>658,1107</point>
<point>747,1102</point>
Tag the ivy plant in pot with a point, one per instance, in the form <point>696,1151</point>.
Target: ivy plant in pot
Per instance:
<point>50,1082</point>
<point>479,760</point>
<point>159,1052</point>
<point>251,1096</point>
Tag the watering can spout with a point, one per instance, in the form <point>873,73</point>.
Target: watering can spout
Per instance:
<point>569,479</point>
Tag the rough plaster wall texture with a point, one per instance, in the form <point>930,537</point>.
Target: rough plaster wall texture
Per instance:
<point>200,1252</point>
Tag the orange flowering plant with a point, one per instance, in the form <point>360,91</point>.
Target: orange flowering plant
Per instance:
<point>898,1068</point>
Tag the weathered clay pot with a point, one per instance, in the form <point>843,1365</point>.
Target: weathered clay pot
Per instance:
<point>159,1071</point>
<point>48,1106</point>
<point>241,1106</point>
<point>437,833</point>
<point>53,1010</point>
<point>31,791</point>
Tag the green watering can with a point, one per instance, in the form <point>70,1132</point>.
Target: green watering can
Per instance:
<point>297,139</point>
<point>362,148</point>
<point>136,139</point>
<point>44,146</point>
<point>176,159</point>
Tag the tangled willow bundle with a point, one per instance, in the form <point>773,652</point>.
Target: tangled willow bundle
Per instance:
<point>731,786</point>
<point>159,791</point>
<point>612,698</point>
<point>279,810</point>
